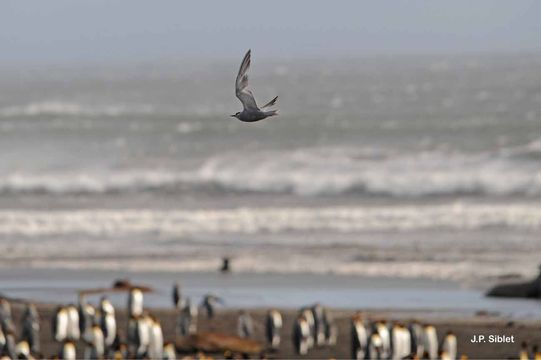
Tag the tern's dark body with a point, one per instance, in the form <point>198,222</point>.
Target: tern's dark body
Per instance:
<point>251,111</point>
<point>253,116</point>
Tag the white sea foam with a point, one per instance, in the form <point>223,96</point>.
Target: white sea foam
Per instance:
<point>459,216</point>
<point>56,107</point>
<point>88,182</point>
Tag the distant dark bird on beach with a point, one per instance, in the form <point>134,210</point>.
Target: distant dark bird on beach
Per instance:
<point>251,111</point>
<point>226,262</point>
<point>177,297</point>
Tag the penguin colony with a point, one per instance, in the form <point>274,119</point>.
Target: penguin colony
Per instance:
<point>380,340</point>
<point>93,328</point>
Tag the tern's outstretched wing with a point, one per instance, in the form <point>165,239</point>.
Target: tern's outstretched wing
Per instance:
<point>270,103</point>
<point>245,96</point>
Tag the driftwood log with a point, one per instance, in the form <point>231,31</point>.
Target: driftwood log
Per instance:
<point>209,342</point>
<point>118,286</point>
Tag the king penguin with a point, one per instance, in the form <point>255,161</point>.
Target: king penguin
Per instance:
<point>144,328</point>
<point>6,320</point>
<point>120,351</point>
<point>169,351</point>
<point>107,322</point>
<point>536,352</point>
<point>401,341</point>
<point>73,333</point>
<point>359,337</point>
<point>309,317</point>
<point>60,324</point>
<point>273,328</point>
<point>2,339</point>
<point>430,342</point>
<point>30,328</point>
<point>132,335</point>
<point>209,302</point>
<point>95,348</point>
<point>385,336</point>
<point>87,314</point>
<point>68,351</point>
<point>135,302</point>
<point>375,347</point>
<point>155,345</point>
<point>330,328</point>
<point>22,350</point>
<point>319,324</point>
<point>187,319</point>
<point>301,335</point>
<point>417,339</point>
<point>245,325</point>
<point>524,353</point>
<point>449,345</point>
<point>10,348</point>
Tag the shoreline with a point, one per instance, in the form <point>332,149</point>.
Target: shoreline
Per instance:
<point>287,291</point>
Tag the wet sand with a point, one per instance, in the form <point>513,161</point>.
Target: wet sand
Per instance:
<point>263,290</point>
<point>226,320</point>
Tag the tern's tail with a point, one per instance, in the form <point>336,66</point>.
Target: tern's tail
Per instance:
<point>271,113</point>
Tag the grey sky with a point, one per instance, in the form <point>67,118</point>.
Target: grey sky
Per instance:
<point>107,30</point>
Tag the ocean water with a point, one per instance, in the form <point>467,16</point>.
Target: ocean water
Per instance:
<point>404,167</point>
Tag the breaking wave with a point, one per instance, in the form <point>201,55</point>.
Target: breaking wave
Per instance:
<point>314,172</point>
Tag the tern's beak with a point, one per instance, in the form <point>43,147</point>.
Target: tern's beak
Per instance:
<point>232,115</point>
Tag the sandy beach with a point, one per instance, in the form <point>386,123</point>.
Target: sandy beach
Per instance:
<point>226,320</point>
<point>446,305</point>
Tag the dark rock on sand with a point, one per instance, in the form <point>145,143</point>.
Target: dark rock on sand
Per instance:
<point>531,289</point>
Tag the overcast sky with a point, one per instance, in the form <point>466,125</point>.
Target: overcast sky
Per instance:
<point>136,30</point>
